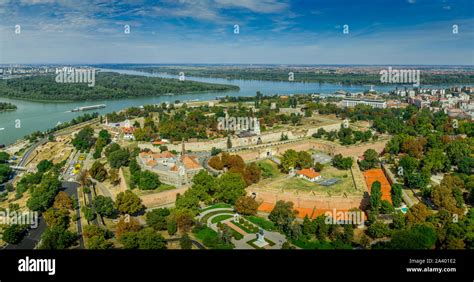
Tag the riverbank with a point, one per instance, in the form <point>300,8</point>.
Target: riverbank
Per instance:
<point>41,116</point>
<point>5,107</point>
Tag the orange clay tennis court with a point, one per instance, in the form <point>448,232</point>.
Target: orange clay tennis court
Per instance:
<point>377,174</point>
<point>312,213</point>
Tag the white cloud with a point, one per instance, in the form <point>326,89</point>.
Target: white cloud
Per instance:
<point>189,9</point>
<point>212,10</point>
<point>258,6</point>
<point>35,2</point>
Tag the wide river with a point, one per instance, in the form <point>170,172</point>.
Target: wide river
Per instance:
<point>33,116</point>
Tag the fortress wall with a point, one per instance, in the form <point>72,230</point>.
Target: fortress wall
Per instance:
<point>162,198</point>
<point>355,151</point>
<point>221,143</point>
<point>311,201</point>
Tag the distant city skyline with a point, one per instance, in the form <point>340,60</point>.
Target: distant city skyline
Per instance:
<point>398,32</point>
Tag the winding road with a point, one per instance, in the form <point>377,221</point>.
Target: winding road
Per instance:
<point>33,237</point>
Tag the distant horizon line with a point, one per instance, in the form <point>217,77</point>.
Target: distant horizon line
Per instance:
<point>233,64</point>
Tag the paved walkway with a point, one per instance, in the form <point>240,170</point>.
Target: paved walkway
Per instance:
<point>103,190</point>
<point>202,214</point>
<point>235,227</point>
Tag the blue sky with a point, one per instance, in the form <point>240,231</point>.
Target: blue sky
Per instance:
<point>271,31</point>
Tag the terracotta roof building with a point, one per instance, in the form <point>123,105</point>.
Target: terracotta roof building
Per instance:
<point>172,169</point>
<point>309,174</point>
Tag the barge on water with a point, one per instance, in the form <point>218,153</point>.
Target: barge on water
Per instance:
<point>88,108</point>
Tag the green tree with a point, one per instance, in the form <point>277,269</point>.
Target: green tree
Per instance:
<point>378,230</point>
<point>4,157</point>
<point>14,233</point>
<point>289,160</point>
<point>57,238</point>
<point>448,195</point>
<point>42,195</point>
<point>145,239</point>
<point>189,200</point>
<point>420,236</point>
<point>466,165</point>
<point>157,218</point>
<point>342,163</point>
<point>84,140</point>
<point>409,164</point>
<point>128,203</point>
<point>375,196</point>
<point>99,243</point>
<point>370,160</point>
<point>386,207</point>
<point>148,180</point>
<point>172,227</point>
<point>185,242</point>
<point>457,150</point>
<point>44,165</point>
<point>104,206</point>
<point>5,172</point>
<point>57,217</point>
<point>436,161</point>
<point>396,193</point>
<point>148,239</point>
<point>105,135</point>
<point>98,171</point>
<point>111,148</point>
<point>89,213</point>
<point>230,186</point>
<point>304,160</point>
<point>246,205</point>
<point>118,158</point>
<point>283,215</point>
<point>399,220</point>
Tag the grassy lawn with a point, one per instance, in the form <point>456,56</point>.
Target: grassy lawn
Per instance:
<point>216,206</point>
<point>210,239</point>
<point>269,169</point>
<point>209,215</point>
<point>221,218</point>
<point>252,243</point>
<point>162,188</point>
<point>205,233</point>
<point>236,234</point>
<point>261,222</point>
<point>312,245</point>
<point>344,185</point>
<point>246,227</point>
<point>127,175</point>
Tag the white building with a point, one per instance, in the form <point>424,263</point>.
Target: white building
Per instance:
<point>373,103</point>
<point>309,174</point>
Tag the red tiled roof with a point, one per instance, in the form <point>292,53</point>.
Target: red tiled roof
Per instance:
<point>308,172</point>
<point>128,130</point>
<point>190,162</point>
<point>164,155</point>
